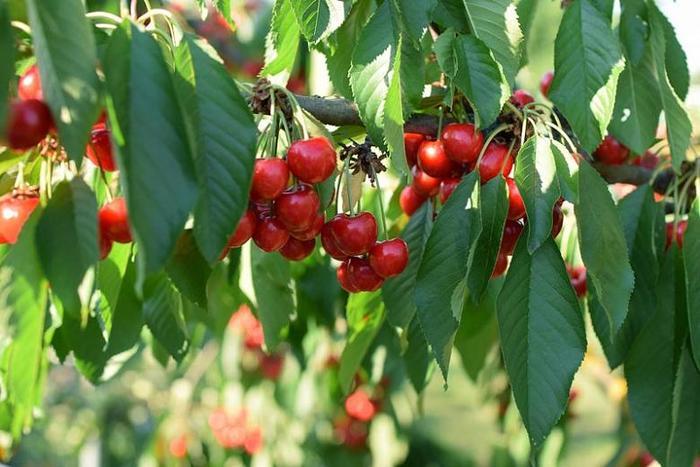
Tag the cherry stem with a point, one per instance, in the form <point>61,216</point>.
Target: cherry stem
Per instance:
<point>380,202</point>
<point>346,169</point>
<point>500,129</point>
<point>515,110</point>
<point>440,120</point>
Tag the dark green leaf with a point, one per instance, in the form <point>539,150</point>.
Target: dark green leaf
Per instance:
<point>413,17</point>
<point>282,41</point>
<point>633,31</point>
<point>451,14</point>
<point>418,359</point>
<point>7,64</point>
<point>162,312</point>
<point>526,15</point>
<point>127,311</point>
<point>685,431</point>
<point>605,7</point>
<point>676,61</point>
<point>567,171</point>
<point>319,18</point>
<point>272,282</point>
<point>691,260</point>
<point>86,342</point>
<point>188,270</point>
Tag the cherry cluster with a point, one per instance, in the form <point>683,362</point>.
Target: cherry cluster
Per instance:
<point>361,406</point>
<point>244,322</point>
<point>233,430</point>
<point>29,118</point>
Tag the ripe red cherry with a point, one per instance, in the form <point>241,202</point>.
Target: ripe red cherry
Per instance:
<point>433,160</point>
<point>313,231</point>
<point>411,143</point>
<point>611,151</point>
<point>329,244</point>
<point>511,233</point>
<point>362,276</point>
<point>105,244</point>
<point>679,234</point>
<point>270,235</point>
<point>516,206</point>
<point>424,184</point>
<point>410,200</point>
<point>521,98</point>
<point>358,405</point>
<point>462,142</point>
<point>500,267</point>
<point>354,235</point>
<point>296,250</point>
<point>29,86</point>
<point>114,221</point>
<point>577,276</point>
<point>344,278</point>
<point>496,159</point>
<point>14,212</point>
<point>546,83</point>
<point>270,178</point>
<point>28,123</point>
<point>297,207</point>
<point>389,258</point>
<point>648,160</point>
<point>244,230</point>
<point>312,160</point>
<point>557,220</point>
<point>447,187</point>
<point>99,149</point>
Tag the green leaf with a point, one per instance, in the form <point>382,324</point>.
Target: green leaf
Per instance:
<point>440,281</point>
<point>282,42</point>
<point>397,292</point>
<point>189,270</point>
<point>685,431</point>
<point>536,178</point>
<point>223,139</point>
<point>319,18</point>
<point>70,218</point>
<point>86,342</point>
<point>156,169</point>
<point>417,358</point>
<point>603,247</point>
<point>413,17</point>
<point>394,119</point>
<point>451,14</point>
<point>365,314</point>
<point>493,210</point>
<point>587,63</point>
<point>162,312</point>
<point>567,171</point>
<point>127,310</point>
<point>537,312</point>
<point>691,260</point>
<point>67,65</point>
<point>633,31</point>
<point>676,60</point>
<point>7,64</point>
<point>272,282</point>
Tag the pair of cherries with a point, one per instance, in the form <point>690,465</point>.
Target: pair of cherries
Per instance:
<point>29,119</point>
<point>113,222</point>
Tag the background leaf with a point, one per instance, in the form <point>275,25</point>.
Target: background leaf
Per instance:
<point>162,312</point>
<point>127,318</point>
<point>272,282</point>
<point>418,358</point>
<point>319,18</point>
<point>188,270</point>
<point>282,42</point>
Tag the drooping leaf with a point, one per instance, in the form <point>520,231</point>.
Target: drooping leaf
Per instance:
<point>633,31</point>
<point>537,312</point>
<point>319,18</point>
<point>272,282</point>
<point>282,42</point>
<point>451,14</point>
<point>188,270</point>
<point>86,342</point>
<point>413,17</point>
<point>691,260</point>
<point>418,359</point>
<point>7,64</point>
<point>676,60</point>
<point>527,10</point>
<point>127,310</point>
<point>162,312</point>
<point>394,118</point>
<point>567,171</point>
<point>685,430</point>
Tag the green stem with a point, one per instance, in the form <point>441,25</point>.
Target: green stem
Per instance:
<point>348,190</point>
<point>380,201</point>
<point>440,120</point>
<point>499,129</point>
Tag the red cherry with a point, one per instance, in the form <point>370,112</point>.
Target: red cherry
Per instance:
<point>433,160</point>
<point>521,98</point>
<point>577,276</point>
<point>312,160</point>
<point>270,178</point>
<point>359,406</point>
<point>29,86</point>
<point>462,142</point>
<point>496,159</point>
<point>297,84</point>
<point>14,212</point>
<point>424,184</point>
<point>516,206</point>
<point>329,243</point>
<point>99,149</point>
<point>28,123</point>
<point>297,207</point>
<point>411,143</point>
<point>354,235</point>
<point>546,83</point>
<point>500,267</point>
<point>511,233</point>
<point>296,250</point>
<point>344,278</point>
<point>447,187</point>
<point>362,276</point>
<point>410,200</point>
<point>270,235</point>
<point>313,231</point>
<point>114,221</point>
<point>389,258</point>
<point>648,160</point>
<point>261,208</point>
<point>680,233</point>
<point>557,220</point>
<point>611,151</point>
<point>105,244</point>
<point>244,230</point>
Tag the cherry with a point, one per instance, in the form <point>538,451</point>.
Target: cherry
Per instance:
<point>411,143</point>
<point>28,123</point>
<point>496,159</point>
<point>447,187</point>
<point>516,206</point>
<point>313,231</point>
<point>270,178</point>
<point>389,258</point>
<point>312,160</point>
<point>462,142</point>
<point>329,244</point>
<point>105,244</point>
<point>14,212</point>
<point>501,265</point>
<point>433,160</point>
<point>344,278</point>
<point>99,149</point>
<point>680,233</point>
<point>557,220</point>
<point>577,276</point>
<point>521,98</point>
<point>354,235</point>
<point>611,151</point>
<point>29,86</point>
<point>261,208</point>
<point>270,234</point>
<point>410,200</point>
<point>648,160</point>
<point>546,83</point>
<point>297,207</point>
<point>244,230</point>
<point>362,276</point>
<point>424,184</point>
<point>114,221</point>
<point>296,250</point>
<point>352,433</point>
<point>359,406</point>
<point>511,233</point>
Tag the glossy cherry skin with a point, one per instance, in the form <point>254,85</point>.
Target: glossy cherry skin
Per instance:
<point>296,250</point>
<point>577,276</point>
<point>546,83</point>
<point>411,143</point>
<point>511,233</point>
<point>270,234</point>
<point>99,149</point>
<point>28,123</point>
<point>557,220</point>
<point>410,200</point>
<point>611,151</point>
<point>354,235</point>
<point>424,184</point>
<point>105,244</point>
<point>496,160</point>
<point>362,276</point>
<point>447,187</point>
<point>313,231</point>
<point>329,244</point>
<point>679,234</point>
<point>312,160</point>
<point>462,142</point>
<point>521,98</point>
<point>114,221</point>
<point>14,212</point>
<point>516,205</point>
<point>344,278</point>
<point>270,178</point>
<point>501,266</point>
<point>244,229</point>
<point>433,160</point>
<point>29,85</point>
<point>389,258</point>
<point>297,207</point>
